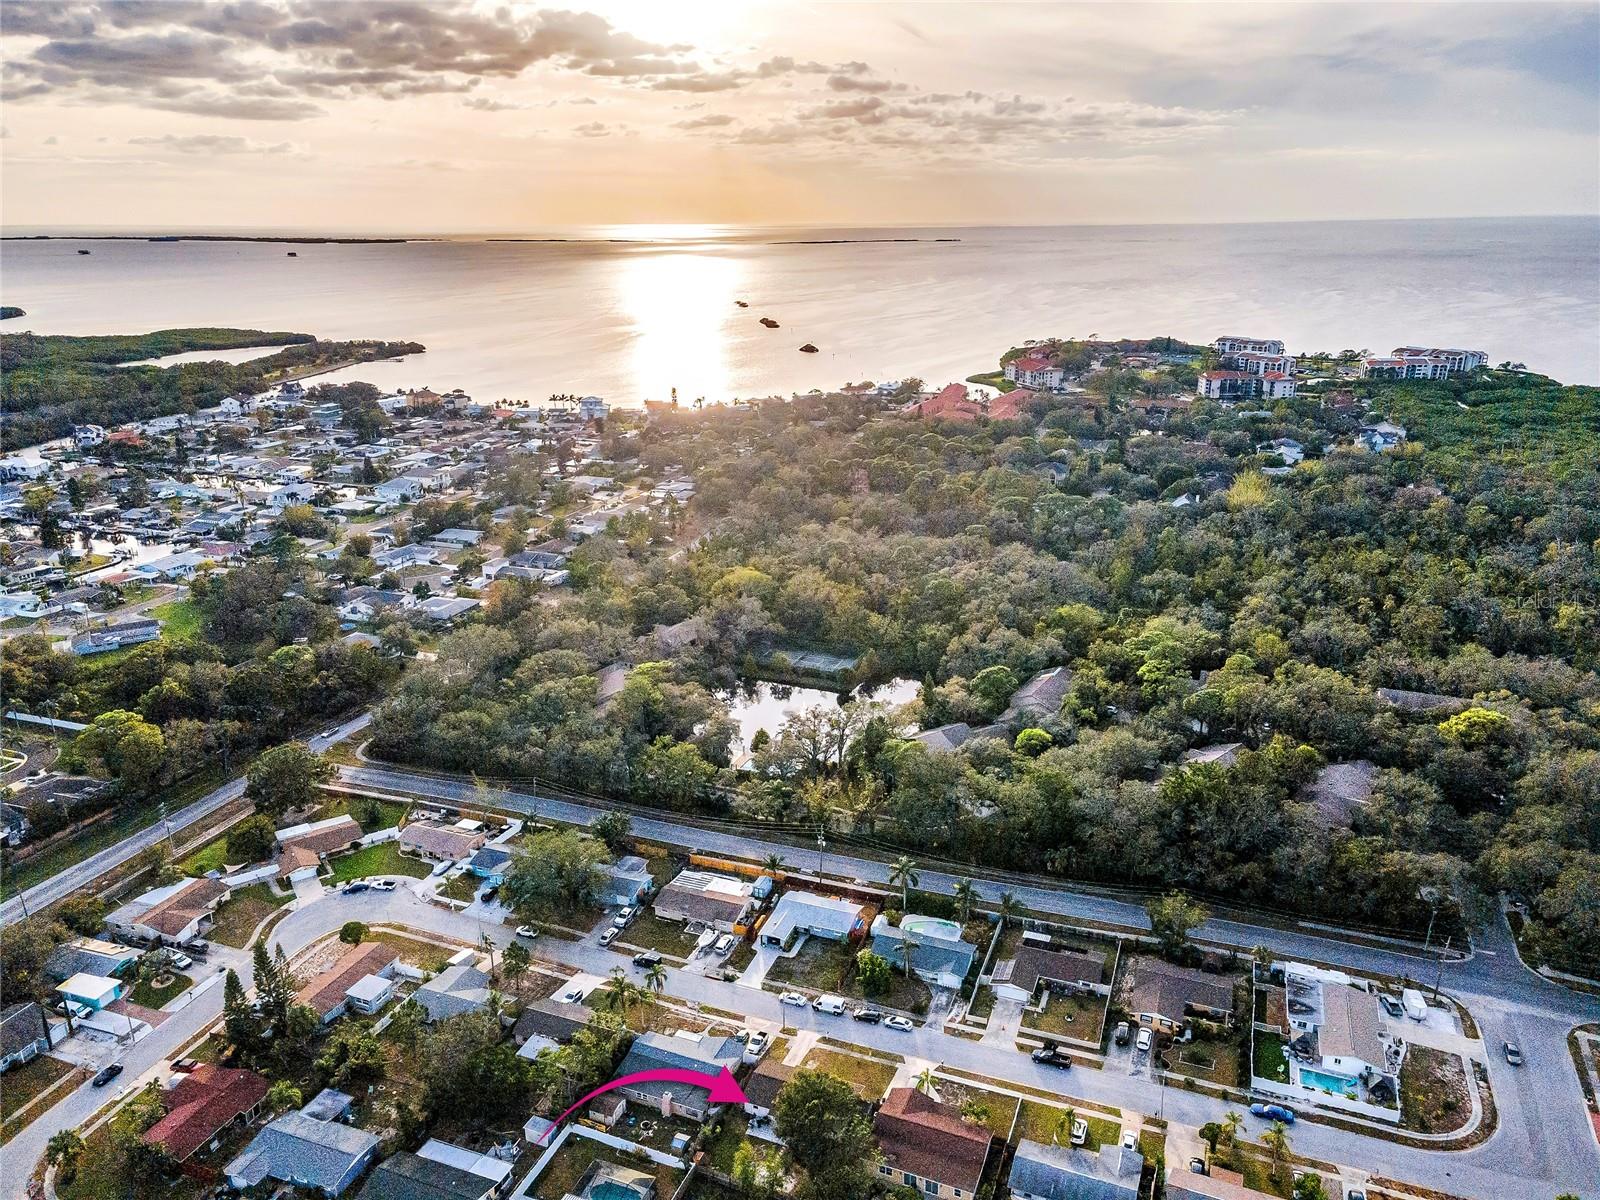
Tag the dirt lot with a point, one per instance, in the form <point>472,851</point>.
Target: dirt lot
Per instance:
<point>1433,1091</point>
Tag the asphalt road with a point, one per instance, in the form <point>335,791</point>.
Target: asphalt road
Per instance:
<point>86,872</point>
<point>1544,1145</point>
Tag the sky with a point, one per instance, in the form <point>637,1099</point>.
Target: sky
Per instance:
<point>461,117</point>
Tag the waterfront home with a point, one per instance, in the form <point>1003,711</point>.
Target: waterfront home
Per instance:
<point>944,739</point>
<point>200,1106</point>
<point>1041,1172</point>
<point>461,988</point>
<point>329,995</point>
<point>300,1150</point>
<point>705,1053</point>
<point>805,914</point>
<point>950,404</point>
<point>928,1147</point>
<point>171,914</point>
<point>1035,371</point>
<point>24,1033</point>
<point>939,954</point>
<point>706,898</point>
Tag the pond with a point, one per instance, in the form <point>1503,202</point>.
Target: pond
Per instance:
<point>236,354</point>
<point>764,705</point>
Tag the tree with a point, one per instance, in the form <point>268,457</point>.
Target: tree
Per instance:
<point>353,933</point>
<point>123,746</point>
<point>614,829</point>
<point>773,865</point>
<point>756,1172</point>
<point>62,1152</point>
<point>904,875</point>
<point>238,1021</point>
<point>820,1120</point>
<point>352,1054</point>
<point>467,1071</point>
<point>966,896</point>
<point>993,687</point>
<point>1276,1140</point>
<point>514,962</point>
<point>253,839</point>
<point>1310,1187</point>
<point>1172,918</point>
<point>925,1082</point>
<point>874,972</point>
<point>561,870</point>
<point>655,979</point>
<point>274,989</point>
<point>1009,908</point>
<point>1033,742</point>
<point>82,913</point>
<point>1477,727</point>
<point>283,1095</point>
<point>620,994</point>
<point>286,777</point>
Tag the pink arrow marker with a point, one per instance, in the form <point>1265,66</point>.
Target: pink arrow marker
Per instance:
<point>724,1088</point>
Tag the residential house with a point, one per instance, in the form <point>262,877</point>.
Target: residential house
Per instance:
<point>329,993</point>
<point>442,843</point>
<point>1223,754</point>
<point>93,992</point>
<point>939,955</point>
<point>444,609</point>
<point>1041,1172</point>
<point>461,988</point>
<point>802,914</point>
<point>181,565</point>
<point>14,825</point>
<point>765,1082</point>
<point>1038,698</point>
<point>24,1033</point>
<point>407,1176</point>
<point>1035,371</point>
<point>114,637</point>
<point>1287,449</point>
<point>706,898</point>
<point>927,1146</point>
<point>300,1150</point>
<point>949,404</point>
<point>172,914</point>
<point>398,557</point>
<point>398,490</point>
<point>1163,996</point>
<point>592,408</point>
<point>1019,977</point>
<point>201,1105</point>
<point>628,880</point>
<point>1010,405</point>
<point>89,956</point>
<point>543,1024</point>
<point>303,848</point>
<point>1339,789</point>
<point>490,864</point>
<point>945,739</point>
<point>705,1053</point>
<point>1380,436</point>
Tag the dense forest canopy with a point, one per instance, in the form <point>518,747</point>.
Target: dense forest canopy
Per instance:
<point>49,383</point>
<point>971,556</point>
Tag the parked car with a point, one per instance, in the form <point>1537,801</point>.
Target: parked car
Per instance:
<point>903,1024</point>
<point>1273,1112</point>
<point>1080,1131</point>
<point>527,931</point>
<point>646,958</point>
<point>756,1044</point>
<point>832,1005</point>
<point>490,893</point>
<point>182,961</point>
<point>870,1015</point>
<point>1198,1166</point>
<point>623,917</point>
<point>1121,1035</point>
<point>1513,1054</point>
<point>725,945</point>
<point>1143,1042</point>
<point>1052,1056</point>
<point>196,947</point>
<point>609,936</point>
<point>384,885</point>
<point>107,1074</point>
<point>354,886</point>
<point>1130,1139</point>
<point>1391,1005</point>
<point>794,1000</point>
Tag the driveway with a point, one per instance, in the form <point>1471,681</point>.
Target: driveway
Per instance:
<point>1005,1021</point>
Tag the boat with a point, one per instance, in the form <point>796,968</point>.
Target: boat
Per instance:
<point>808,348</point>
<point>704,940</point>
<point>85,252</point>
<point>767,321</point>
<point>291,254</point>
<point>742,303</point>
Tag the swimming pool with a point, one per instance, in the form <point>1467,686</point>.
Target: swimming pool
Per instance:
<point>932,927</point>
<point>1340,1085</point>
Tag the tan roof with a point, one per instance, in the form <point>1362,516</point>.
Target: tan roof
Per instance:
<point>1350,1027</point>
<point>1033,963</point>
<point>293,858</point>
<point>441,839</point>
<point>325,841</point>
<point>919,1134</point>
<point>762,1088</point>
<point>327,990</point>
<point>179,910</point>
<point>1169,991</point>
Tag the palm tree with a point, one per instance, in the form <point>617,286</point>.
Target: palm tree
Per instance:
<point>621,993</point>
<point>656,978</point>
<point>1276,1140</point>
<point>772,864</point>
<point>924,1082</point>
<point>907,945</point>
<point>1063,1130</point>
<point>1231,1124</point>
<point>966,894</point>
<point>904,873</point>
<point>486,944</point>
<point>1009,908</point>
<point>63,1149</point>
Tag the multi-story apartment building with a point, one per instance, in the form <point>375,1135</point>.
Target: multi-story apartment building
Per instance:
<point>1244,345</point>
<point>1419,362</point>
<point>1243,385</point>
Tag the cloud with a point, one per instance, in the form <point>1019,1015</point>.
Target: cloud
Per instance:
<point>212,143</point>
<point>709,121</point>
<point>491,104</point>
<point>861,83</point>
<point>593,129</point>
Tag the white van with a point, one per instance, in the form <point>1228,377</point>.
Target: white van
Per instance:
<point>832,1005</point>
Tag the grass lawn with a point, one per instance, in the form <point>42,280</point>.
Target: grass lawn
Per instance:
<point>1215,1059</point>
<point>384,858</point>
<point>1038,1122</point>
<point>244,910</point>
<point>154,997</point>
<point>826,966</point>
<point>29,1080</point>
<point>462,887</point>
<point>372,815</point>
<point>1000,1111</point>
<point>1075,1016</point>
<point>982,1004</point>
<point>1270,1060</point>
<point>1433,1091</point>
<point>652,933</point>
<point>561,1177</point>
<point>417,953</point>
<point>209,857</point>
<point>180,620</point>
<point>868,1077</point>
<point>104,1169</point>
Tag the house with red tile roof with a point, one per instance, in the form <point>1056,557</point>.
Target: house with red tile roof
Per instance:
<point>927,1146</point>
<point>1035,371</point>
<point>949,404</point>
<point>204,1103</point>
<point>1012,404</point>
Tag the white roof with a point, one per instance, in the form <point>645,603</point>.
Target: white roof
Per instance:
<point>486,1166</point>
<point>90,987</point>
<point>370,988</point>
<point>805,910</point>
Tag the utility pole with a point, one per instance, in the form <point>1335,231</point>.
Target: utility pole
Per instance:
<point>1438,979</point>
<point>822,845</point>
